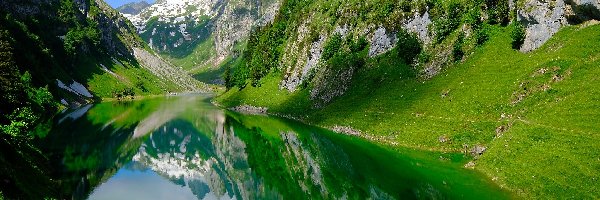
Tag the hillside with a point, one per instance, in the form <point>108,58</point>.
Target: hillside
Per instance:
<point>65,53</point>
<point>86,45</point>
<point>510,84</point>
<point>200,35</point>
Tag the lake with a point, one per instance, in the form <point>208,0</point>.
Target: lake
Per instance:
<point>183,147</point>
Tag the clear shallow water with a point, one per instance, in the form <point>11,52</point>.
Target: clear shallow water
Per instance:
<point>185,148</point>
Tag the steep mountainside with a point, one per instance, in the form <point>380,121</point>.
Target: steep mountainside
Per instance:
<point>83,50</point>
<point>507,82</point>
<point>67,52</point>
<point>133,8</point>
<point>200,35</point>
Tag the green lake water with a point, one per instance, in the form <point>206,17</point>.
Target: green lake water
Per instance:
<point>185,148</point>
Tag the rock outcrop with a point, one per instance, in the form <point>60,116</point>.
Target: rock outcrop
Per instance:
<point>302,55</point>
<point>542,19</point>
<point>301,63</point>
<point>234,23</point>
<point>382,41</point>
<point>419,24</point>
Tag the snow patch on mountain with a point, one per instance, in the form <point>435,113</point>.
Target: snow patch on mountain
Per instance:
<point>172,11</point>
<point>75,87</point>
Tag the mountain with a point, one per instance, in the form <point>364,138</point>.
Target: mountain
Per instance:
<point>85,50</point>
<point>201,35</point>
<point>508,83</point>
<point>133,8</point>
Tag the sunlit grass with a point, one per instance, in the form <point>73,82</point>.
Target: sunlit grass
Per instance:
<point>553,131</point>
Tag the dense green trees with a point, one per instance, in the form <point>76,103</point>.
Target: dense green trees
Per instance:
<point>23,105</point>
<point>262,55</point>
<point>24,111</point>
<point>80,32</point>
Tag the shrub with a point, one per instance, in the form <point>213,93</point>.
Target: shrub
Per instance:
<point>72,40</point>
<point>457,51</point>
<point>482,34</point>
<point>228,77</point>
<point>423,57</point>
<point>408,46</point>
<point>517,34</point>
<point>333,45</point>
<point>21,121</point>
<point>473,17</point>
<point>66,12</point>
<point>498,11</point>
<point>140,84</point>
<point>359,45</point>
<point>405,6</point>
<point>36,104</point>
<point>448,21</point>
<point>441,28</point>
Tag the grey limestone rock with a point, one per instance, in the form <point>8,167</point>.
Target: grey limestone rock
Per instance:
<point>381,42</point>
<point>419,24</point>
<point>543,18</point>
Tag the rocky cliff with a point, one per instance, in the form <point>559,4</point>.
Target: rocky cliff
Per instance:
<point>543,19</point>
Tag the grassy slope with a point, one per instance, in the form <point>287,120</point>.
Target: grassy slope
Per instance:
<point>199,54</point>
<point>128,75</point>
<point>552,127</point>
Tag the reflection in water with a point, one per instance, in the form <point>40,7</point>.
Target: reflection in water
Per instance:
<point>185,148</point>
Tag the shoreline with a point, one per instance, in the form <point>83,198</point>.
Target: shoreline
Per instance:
<point>342,130</point>
<point>142,97</point>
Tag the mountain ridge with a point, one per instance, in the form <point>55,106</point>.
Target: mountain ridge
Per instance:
<point>133,8</point>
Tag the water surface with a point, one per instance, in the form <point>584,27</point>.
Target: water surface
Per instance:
<point>185,148</point>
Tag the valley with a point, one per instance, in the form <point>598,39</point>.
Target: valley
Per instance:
<point>280,99</point>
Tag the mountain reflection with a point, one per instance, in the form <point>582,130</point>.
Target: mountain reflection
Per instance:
<point>185,148</point>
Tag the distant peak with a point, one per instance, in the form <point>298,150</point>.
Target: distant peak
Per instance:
<point>133,8</point>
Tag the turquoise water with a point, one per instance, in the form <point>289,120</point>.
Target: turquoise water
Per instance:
<point>185,148</point>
